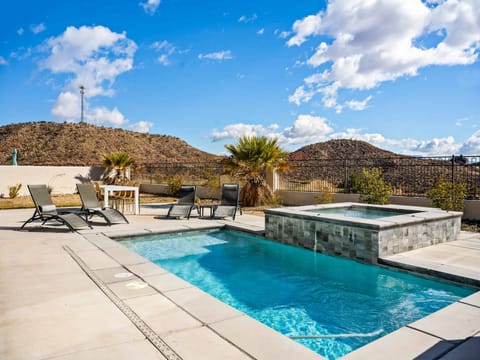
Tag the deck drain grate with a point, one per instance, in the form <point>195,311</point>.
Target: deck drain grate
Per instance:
<point>161,346</point>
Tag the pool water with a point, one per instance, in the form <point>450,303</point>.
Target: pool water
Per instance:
<point>360,212</point>
<point>299,292</point>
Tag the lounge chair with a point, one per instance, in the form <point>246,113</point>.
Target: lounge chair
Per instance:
<point>45,210</point>
<point>229,202</point>
<point>92,207</point>
<point>185,203</point>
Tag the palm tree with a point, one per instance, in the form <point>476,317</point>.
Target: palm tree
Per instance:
<point>250,159</point>
<point>117,164</point>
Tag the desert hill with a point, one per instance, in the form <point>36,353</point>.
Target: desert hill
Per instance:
<point>340,149</point>
<point>82,144</point>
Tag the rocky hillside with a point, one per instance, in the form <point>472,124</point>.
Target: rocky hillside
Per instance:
<point>81,144</point>
<point>340,149</point>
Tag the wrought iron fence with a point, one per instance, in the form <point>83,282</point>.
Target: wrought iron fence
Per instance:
<point>408,176</point>
<point>198,173</point>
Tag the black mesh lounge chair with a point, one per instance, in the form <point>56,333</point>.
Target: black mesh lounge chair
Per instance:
<point>92,206</point>
<point>185,203</point>
<point>229,202</point>
<point>45,210</point>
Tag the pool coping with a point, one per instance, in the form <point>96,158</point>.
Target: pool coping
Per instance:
<point>422,338</point>
<point>252,339</point>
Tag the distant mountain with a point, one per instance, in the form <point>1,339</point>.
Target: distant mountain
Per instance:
<point>81,144</point>
<point>341,149</point>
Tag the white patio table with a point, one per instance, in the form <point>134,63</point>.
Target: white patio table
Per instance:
<point>112,188</point>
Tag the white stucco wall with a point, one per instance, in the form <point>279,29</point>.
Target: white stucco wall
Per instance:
<point>62,179</point>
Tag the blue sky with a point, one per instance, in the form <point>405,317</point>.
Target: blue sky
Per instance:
<point>403,75</point>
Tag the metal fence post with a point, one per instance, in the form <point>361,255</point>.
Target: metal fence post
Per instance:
<point>346,186</point>
<point>453,178</point>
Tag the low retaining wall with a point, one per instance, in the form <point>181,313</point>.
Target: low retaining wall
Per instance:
<point>62,179</point>
<point>203,192</point>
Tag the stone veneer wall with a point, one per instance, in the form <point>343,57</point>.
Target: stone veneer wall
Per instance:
<point>358,242</point>
<point>415,236</point>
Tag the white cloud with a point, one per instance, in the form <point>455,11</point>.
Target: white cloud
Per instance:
<point>376,41</point>
<point>245,19</point>
<point>36,28</point>
<point>141,126</point>
<point>219,55</point>
<point>166,49</point>
<point>93,57</point>
<point>281,34</point>
<point>306,129</point>
<point>357,134</point>
<point>236,131</point>
<point>3,61</point>
<point>472,145</point>
<point>358,105</point>
<point>301,95</point>
<point>261,31</point>
<point>310,25</point>
<point>102,115</point>
<point>67,106</point>
<point>150,6</point>
<point>161,45</point>
<point>437,146</point>
<point>20,31</point>
<point>164,60</point>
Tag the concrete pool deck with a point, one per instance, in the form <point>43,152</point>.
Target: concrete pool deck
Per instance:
<point>84,296</point>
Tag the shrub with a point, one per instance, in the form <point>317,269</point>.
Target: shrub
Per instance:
<point>213,181</point>
<point>373,189</point>
<point>353,184</point>
<point>447,195</point>
<point>325,197</point>
<point>174,184</point>
<point>14,190</point>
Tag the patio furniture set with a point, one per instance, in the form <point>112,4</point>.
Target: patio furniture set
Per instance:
<point>78,219</point>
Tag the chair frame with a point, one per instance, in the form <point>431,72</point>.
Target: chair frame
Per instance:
<point>185,204</point>
<point>91,205</point>
<point>40,215</point>
<point>227,201</point>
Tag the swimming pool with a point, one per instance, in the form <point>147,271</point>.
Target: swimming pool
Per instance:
<point>296,291</point>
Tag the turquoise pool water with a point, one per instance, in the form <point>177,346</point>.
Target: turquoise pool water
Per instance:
<point>296,291</point>
<point>361,212</point>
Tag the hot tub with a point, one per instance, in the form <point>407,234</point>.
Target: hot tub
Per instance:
<point>361,231</point>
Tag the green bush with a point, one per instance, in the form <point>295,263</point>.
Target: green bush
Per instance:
<point>174,184</point>
<point>447,195</point>
<point>373,189</point>
<point>14,190</point>
<point>353,184</point>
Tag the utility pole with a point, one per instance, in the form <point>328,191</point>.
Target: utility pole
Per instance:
<point>82,92</point>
